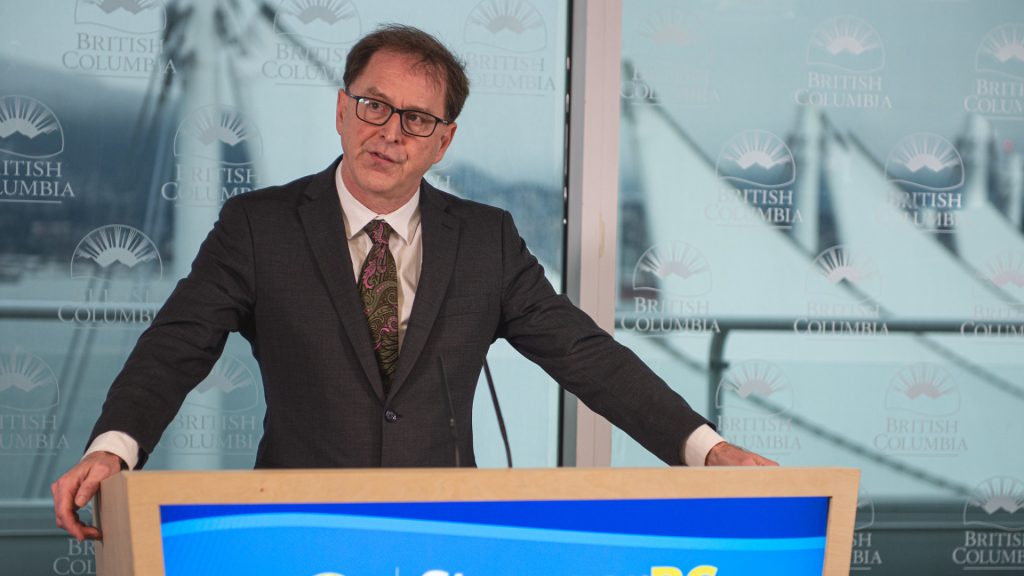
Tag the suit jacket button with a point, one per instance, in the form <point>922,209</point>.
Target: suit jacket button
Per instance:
<point>391,416</point>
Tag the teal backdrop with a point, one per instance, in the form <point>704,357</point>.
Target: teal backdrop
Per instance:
<point>821,211</point>
<point>820,245</point>
<point>123,127</point>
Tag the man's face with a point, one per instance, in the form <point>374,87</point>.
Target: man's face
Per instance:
<point>383,165</point>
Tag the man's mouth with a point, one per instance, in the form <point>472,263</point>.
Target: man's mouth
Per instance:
<point>382,157</point>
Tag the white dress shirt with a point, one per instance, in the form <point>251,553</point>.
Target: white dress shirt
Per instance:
<point>406,244</point>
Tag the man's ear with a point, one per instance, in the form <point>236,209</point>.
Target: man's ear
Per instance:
<point>339,111</point>
<point>446,140</point>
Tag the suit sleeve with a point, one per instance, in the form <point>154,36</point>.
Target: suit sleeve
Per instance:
<point>585,360</point>
<point>187,336</point>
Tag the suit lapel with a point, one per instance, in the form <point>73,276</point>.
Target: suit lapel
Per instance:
<point>325,231</point>
<point>440,236</point>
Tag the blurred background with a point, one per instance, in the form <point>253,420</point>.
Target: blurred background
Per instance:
<point>821,208</point>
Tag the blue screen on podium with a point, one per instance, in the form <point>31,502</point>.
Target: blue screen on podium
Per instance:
<point>659,537</point>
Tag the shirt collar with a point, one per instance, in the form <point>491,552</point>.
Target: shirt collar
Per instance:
<point>403,221</point>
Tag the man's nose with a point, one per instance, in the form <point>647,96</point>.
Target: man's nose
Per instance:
<point>392,129</point>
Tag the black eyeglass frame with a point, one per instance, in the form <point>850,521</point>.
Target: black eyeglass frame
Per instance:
<point>401,115</point>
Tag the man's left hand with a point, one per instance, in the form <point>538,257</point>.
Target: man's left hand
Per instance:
<point>725,454</point>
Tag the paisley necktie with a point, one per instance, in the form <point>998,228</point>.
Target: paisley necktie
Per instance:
<point>378,289</point>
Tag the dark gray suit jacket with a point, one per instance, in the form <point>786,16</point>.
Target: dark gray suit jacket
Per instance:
<point>276,268</point>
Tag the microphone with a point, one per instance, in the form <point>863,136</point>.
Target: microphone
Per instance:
<point>453,425</point>
<point>497,412</point>
<point>451,416</point>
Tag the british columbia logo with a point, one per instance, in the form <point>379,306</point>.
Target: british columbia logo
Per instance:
<point>505,43</point>
<point>847,43</point>
<point>313,40</point>
<point>999,74</point>
<point>998,310</point>
<point>116,250</point>
<point>230,387</point>
<point>31,144</point>
<point>1002,52</point>
<point>925,390</point>
<point>673,268</point>
<point>993,538</point>
<point>27,383</point>
<point>927,174</point>
<point>512,25</point>
<point>756,158</point>
<point>215,148</point>
<point>325,21</point>
<point>759,170</point>
<point>669,62</point>
<point>840,266</point>
<point>998,502</point>
<point>1006,272</point>
<point>120,264</point>
<point>220,414</point>
<point>29,393</point>
<point>671,282</point>
<point>757,387</point>
<point>29,129</point>
<point>219,133</point>
<point>130,16</point>
<point>842,288</point>
<point>845,58</point>
<point>926,162</point>
<point>754,399</point>
<point>921,403</point>
<point>119,38</point>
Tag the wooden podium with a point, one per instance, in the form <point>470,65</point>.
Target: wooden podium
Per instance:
<point>149,518</point>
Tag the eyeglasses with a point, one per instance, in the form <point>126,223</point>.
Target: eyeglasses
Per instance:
<point>414,122</point>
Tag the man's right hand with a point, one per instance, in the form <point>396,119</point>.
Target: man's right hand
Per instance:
<point>77,486</point>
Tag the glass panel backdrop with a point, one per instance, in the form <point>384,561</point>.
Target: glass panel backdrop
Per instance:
<point>821,247</point>
<point>125,125</point>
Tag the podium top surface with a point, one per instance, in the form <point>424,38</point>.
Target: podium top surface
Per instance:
<point>144,512</point>
<point>428,484</point>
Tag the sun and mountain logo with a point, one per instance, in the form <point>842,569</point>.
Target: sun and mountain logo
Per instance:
<point>670,28</point>
<point>323,21</point>
<point>673,268</point>
<point>924,389</point>
<point>27,383</point>
<point>1002,52</point>
<point>116,251</point>
<point>996,503</point>
<point>130,16</point>
<point>1006,272</point>
<point>674,40</point>
<point>840,265</point>
<point>229,388</point>
<point>219,133</point>
<point>847,43</point>
<point>755,386</point>
<point>512,25</point>
<point>756,158</point>
<point>926,162</point>
<point>669,60</point>
<point>29,128</point>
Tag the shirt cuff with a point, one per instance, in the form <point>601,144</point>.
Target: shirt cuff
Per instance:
<point>119,444</point>
<point>699,444</point>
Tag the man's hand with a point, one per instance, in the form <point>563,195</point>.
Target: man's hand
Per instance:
<point>725,454</point>
<point>76,487</point>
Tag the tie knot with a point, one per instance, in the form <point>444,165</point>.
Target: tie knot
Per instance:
<point>379,231</point>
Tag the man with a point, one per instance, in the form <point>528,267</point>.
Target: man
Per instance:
<point>330,276</point>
